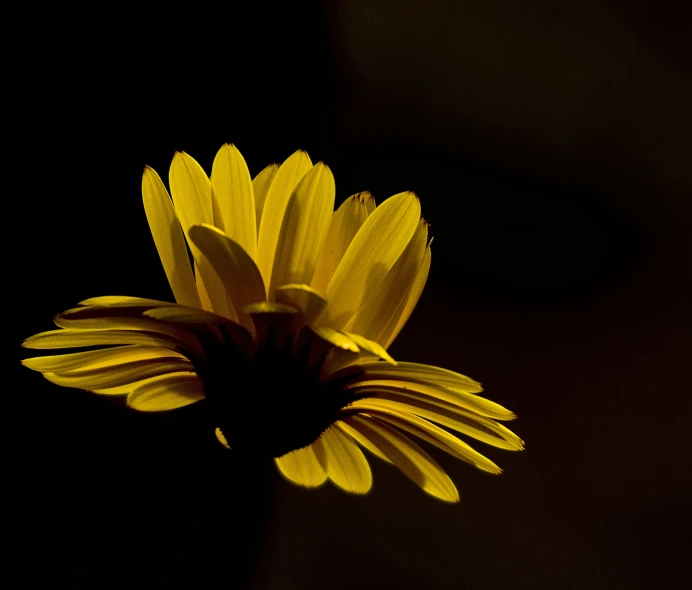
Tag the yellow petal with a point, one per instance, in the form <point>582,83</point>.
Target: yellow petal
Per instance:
<point>130,387</point>
<point>90,318</point>
<point>185,315</point>
<point>373,251</point>
<point>97,358</point>
<point>234,267</point>
<point>426,431</point>
<point>433,391</point>
<point>343,461</point>
<point>345,223</point>
<point>411,299</point>
<point>260,186</point>
<point>168,237</point>
<point>423,374</point>
<point>83,338</point>
<point>302,468</point>
<point>122,301</point>
<point>338,339</point>
<point>117,375</point>
<point>232,188</point>
<point>221,438</point>
<point>167,393</point>
<point>305,298</point>
<point>384,303</point>
<point>191,191</point>
<point>361,440</point>
<point>413,461</point>
<point>450,416</point>
<point>371,346</point>
<point>304,228</point>
<point>286,179</point>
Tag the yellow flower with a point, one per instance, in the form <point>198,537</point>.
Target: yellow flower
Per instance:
<point>281,325</point>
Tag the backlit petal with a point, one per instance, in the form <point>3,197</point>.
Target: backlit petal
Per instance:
<point>83,338</point>
<point>237,271</point>
<point>232,188</point>
<point>451,416</point>
<point>93,359</point>
<point>118,374</point>
<point>168,393</point>
<point>433,391</point>
<point>304,228</point>
<point>302,468</point>
<point>191,191</point>
<point>221,438</point>
<point>280,190</point>
<point>411,299</point>
<point>260,186</point>
<point>383,305</point>
<point>168,237</point>
<point>361,440</point>
<point>413,461</point>
<point>345,223</point>
<point>122,301</point>
<point>426,431</point>
<point>372,347</point>
<point>373,251</point>
<point>343,461</point>
<point>338,339</point>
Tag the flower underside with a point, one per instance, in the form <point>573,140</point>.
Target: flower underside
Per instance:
<point>283,315</point>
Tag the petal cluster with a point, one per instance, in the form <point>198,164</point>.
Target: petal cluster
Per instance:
<point>264,268</point>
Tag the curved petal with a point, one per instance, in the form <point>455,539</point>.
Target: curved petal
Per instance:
<point>361,440</point>
<point>423,374</point>
<point>168,393</point>
<point>373,251</point>
<point>83,338</point>
<point>453,417</point>
<point>372,347</point>
<point>221,438</point>
<point>260,186</point>
<point>336,338</point>
<point>304,228</point>
<point>343,461</point>
<point>383,305</point>
<point>168,237</point>
<point>413,461</point>
<point>116,375</point>
<point>434,391</point>
<point>234,267</point>
<point>93,359</point>
<point>302,468</point>
<point>426,431</point>
<point>411,299</point>
<point>89,318</point>
<point>191,191</point>
<point>232,189</point>
<point>286,179</point>
<point>122,301</point>
<point>345,223</point>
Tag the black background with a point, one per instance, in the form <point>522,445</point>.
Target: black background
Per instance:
<point>550,146</point>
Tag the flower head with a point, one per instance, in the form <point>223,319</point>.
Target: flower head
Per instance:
<point>284,312</point>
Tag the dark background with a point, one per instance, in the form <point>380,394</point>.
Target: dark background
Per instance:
<point>551,149</point>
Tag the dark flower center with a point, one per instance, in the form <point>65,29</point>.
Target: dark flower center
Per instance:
<point>274,402</point>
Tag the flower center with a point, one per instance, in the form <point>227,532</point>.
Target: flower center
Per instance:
<point>275,402</point>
